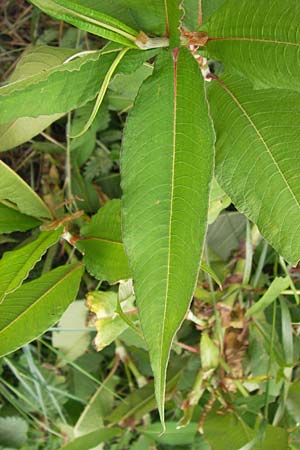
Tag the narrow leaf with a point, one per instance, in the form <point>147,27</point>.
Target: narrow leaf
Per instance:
<point>166,168</point>
<point>260,39</point>
<point>16,265</point>
<point>89,20</point>
<point>257,161</point>
<point>66,86</point>
<point>14,189</point>
<point>173,16</point>
<point>101,243</point>
<point>34,60</point>
<point>29,311</point>
<point>274,290</point>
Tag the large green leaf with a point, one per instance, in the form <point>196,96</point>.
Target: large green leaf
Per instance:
<point>101,243</point>
<point>65,86</point>
<point>35,60</point>
<point>257,162</point>
<point>260,39</point>
<point>12,220</point>
<point>80,15</point>
<point>167,167</point>
<point>29,311</point>
<point>14,189</point>
<point>16,265</point>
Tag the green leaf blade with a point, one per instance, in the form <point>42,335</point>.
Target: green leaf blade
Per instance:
<point>29,311</point>
<point>101,243</point>
<point>260,40</point>
<point>257,163</point>
<point>88,19</point>
<point>167,167</point>
<point>14,189</point>
<point>16,265</point>
<point>173,15</point>
<point>13,220</point>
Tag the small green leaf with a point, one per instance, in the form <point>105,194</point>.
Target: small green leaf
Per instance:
<point>16,264</point>
<point>278,285</point>
<point>209,353</point>
<point>166,168</point>
<point>109,324</point>
<point>260,39</point>
<point>29,311</point>
<point>101,243</point>
<point>13,220</point>
<point>14,189</point>
<point>91,440</point>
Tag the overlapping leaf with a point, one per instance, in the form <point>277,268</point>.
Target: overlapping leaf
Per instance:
<point>167,167</point>
<point>260,39</point>
<point>102,245</point>
<point>79,14</point>
<point>257,162</point>
<point>14,189</point>
<point>16,265</point>
<point>65,86</point>
<point>28,312</point>
<point>12,220</point>
<point>34,61</point>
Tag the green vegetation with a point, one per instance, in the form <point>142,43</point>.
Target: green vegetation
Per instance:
<point>149,225</point>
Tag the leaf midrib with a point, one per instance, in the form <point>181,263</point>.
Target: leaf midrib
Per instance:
<point>248,39</point>
<point>162,368</point>
<point>39,299</point>
<point>108,241</point>
<point>260,136</point>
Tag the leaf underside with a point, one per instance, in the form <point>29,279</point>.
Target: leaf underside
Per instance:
<point>257,163</point>
<point>166,167</point>
<point>259,39</point>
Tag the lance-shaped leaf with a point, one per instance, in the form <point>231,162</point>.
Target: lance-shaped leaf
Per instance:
<point>139,15</point>
<point>65,86</point>
<point>14,189</point>
<point>257,161</point>
<point>34,60</point>
<point>260,39</point>
<point>166,167</point>
<point>16,265</point>
<point>29,311</point>
<point>89,19</point>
